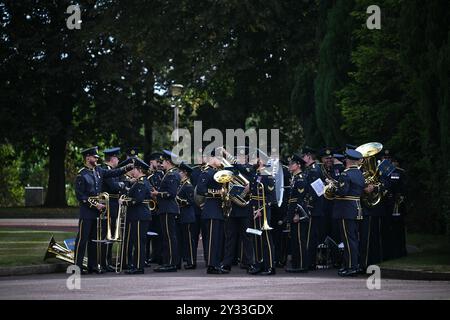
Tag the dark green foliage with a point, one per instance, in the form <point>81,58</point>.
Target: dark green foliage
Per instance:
<point>310,68</point>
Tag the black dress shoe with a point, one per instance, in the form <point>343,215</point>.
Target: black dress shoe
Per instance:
<point>110,268</point>
<point>254,269</point>
<point>95,270</point>
<point>179,266</point>
<point>342,270</point>
<point>268,272</point>
<point>312,267</point>
<point>135,271</point>
<point>244,266</point>
<point>296,270</point>
<point>361,270</point>
<point>348,273</point>
<point>166,268</point>
<point>190,266</point>
<point>226,267</point>
<point>216,270</point>
<point>279,264</point>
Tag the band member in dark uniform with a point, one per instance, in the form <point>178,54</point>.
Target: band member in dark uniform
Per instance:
<point>114,187</point>
<point>168,210</point>
<point>261,184</point>
<point>185,199</point>
<point>279,221</point>
<point>138,217</point>
<point>313,172</point>
<point>88,184</point>
<point>393,223</point>
<point>347,208</point>
<point>199,227</point>
<point>212,214</point>
<point>153,248</point>
<point>298,216</point>
<point>238,222</point>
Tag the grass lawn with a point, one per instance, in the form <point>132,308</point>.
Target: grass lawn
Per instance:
<point>434,254</point>
<point>20,247</point>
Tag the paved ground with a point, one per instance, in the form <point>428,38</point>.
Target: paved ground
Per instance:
<point>44,224</point>
<point>195,284</point>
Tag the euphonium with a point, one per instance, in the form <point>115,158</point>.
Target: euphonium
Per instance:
<point>237,180</point>
<point>371,172</point>
<point>225,177</point>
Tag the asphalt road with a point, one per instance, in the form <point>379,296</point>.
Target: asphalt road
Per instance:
<point>196,285</point>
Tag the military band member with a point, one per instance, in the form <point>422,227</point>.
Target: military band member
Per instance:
<point>298,216</point>
<point>279,222</point>
<point>313,172</point>
<point>88,184</point>
<point>138,217</point>
<point>153,248</point>
<point>347,208</point>
<point>168,210</point>
<point>236,225</point>
<point>185,199</point>
<point>200,226</point>
<point>212,214</point>
<point>262,184</point>
<point>393,223</point>
<point>114,187</point>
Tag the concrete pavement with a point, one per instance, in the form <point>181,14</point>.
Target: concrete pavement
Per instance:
<point>196,285</point>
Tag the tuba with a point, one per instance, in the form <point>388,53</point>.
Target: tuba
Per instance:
<point>371,172</point>
<point>55,250</point>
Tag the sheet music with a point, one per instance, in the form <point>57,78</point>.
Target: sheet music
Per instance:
<point>318,187</point>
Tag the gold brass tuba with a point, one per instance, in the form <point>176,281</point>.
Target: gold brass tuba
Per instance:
<point>55,250</point>
<point>371,172</point>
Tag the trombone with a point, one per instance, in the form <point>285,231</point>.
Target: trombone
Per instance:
<point>121,229</point>
<point>261,197</point>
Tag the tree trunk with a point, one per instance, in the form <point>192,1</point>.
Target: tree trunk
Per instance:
<point>56,191</point>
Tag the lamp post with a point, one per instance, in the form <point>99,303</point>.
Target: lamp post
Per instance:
<point>176,91</point>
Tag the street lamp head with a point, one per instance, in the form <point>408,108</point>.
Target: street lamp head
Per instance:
<point>176,90</point>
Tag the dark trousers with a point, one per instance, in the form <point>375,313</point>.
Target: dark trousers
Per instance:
<point>235,233</point>
<point>316,228</point>
<point>387,237</point>
<point>279,235</point>
<point>87,231</point>
<point>137,242</point>
<point>398,237</point>
<point>364,240</point>
<point>214,240</point>
<point>170,253</point>
<point>200,227</point>
<point>349,234</point>
<point>263,246</point>
<point>186,243</point>
<point>299,240</point>
<point>153,248</point>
